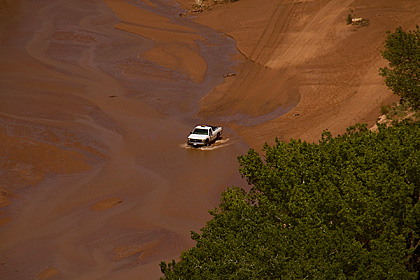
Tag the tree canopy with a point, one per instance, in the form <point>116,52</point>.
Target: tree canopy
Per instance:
<point>344,208</point>
<point>402,50</point>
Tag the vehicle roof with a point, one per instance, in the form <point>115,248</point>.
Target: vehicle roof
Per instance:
<point>203,126</point>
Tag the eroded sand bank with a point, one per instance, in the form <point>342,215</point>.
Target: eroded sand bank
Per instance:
<point>305,70</point>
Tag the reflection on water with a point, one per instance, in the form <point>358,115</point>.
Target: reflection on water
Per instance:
<point>218,144</point>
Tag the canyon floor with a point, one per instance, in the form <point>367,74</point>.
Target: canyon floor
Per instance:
<point>98,97</point>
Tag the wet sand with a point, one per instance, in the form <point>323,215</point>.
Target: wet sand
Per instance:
<point>97,98</point>
<point>93,126</point>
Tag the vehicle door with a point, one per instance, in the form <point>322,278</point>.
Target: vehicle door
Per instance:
<point>211,134</point>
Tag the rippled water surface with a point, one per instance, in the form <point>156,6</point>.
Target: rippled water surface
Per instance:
<point>94,144</point>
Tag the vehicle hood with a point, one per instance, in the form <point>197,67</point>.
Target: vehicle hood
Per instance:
<point>198,136</point>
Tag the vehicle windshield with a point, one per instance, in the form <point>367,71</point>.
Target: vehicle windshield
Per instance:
<point>200,131</point>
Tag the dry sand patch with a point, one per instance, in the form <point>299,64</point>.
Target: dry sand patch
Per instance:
<point>330,74</point>
<point>107,203</point>
<point>48,273</point>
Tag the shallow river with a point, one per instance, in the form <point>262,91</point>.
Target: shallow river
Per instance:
<point>104,185</point>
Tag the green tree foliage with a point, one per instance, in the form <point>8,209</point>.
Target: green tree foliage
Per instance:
<point>344,208</point>
<point>402,50</point>
<point>349,19</point>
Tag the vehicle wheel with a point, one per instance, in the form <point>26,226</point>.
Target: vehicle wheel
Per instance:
<point>207,143</point>
<point>218,136</point>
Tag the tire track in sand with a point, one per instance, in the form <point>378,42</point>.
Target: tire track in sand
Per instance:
<point>272,68</point>
<point>243,103</point>
<point>273,34</point>
<point>312,40</point>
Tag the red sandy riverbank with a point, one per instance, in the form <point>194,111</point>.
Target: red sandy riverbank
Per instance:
<point>301,56</point>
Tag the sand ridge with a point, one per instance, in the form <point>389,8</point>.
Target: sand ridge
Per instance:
<point>306,60</point>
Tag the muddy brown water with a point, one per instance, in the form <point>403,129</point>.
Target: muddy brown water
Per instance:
<point>104,185</point>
